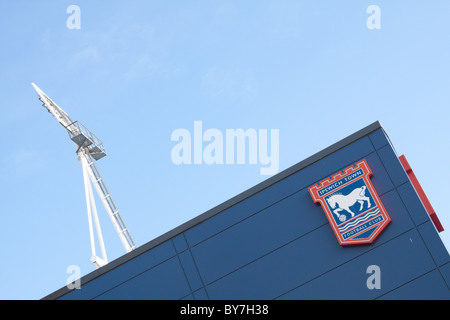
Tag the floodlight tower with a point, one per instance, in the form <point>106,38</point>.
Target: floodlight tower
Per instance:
<point>89,150</point>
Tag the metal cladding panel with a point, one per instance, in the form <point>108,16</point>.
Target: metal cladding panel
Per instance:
<point>118,276</point>
<point>274,242</point>
<point>429,286</point>
<point>280,190</point>
<point>164,281</point>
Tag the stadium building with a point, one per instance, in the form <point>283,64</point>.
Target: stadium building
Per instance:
<point>350,222</point>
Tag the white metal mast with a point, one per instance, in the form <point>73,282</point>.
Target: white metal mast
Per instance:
<point>90,149</point>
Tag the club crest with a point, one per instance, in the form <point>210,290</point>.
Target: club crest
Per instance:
<point>352,205</point>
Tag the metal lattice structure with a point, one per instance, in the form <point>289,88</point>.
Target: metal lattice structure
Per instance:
<point>89,150</point>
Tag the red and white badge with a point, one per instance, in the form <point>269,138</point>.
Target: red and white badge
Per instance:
<point>352,205</point>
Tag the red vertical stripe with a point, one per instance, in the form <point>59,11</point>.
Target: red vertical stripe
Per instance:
<point>423,197</point>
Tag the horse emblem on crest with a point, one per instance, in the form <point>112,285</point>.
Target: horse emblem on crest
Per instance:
<point>352,205</point>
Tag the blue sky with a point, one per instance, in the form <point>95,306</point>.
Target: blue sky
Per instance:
<point>138,70</point>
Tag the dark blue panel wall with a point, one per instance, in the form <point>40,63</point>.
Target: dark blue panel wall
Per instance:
<point>277,244</point>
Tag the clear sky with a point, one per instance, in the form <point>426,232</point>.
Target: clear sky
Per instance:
<point>137,70</point>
